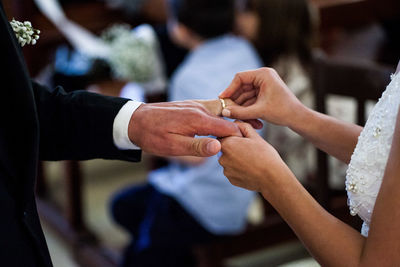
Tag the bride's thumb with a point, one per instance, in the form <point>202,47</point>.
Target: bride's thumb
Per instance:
<point>239,112</point>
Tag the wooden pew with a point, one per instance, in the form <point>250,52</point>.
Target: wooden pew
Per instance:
<point>355,29</point>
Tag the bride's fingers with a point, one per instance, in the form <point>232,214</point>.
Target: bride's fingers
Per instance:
<point>256,124</point>
<point>246,78</point>
<point>230,102</point>
<point>249,102</point>
<point>236,94</point>
<point>244,89</point>
<point>245,97</point>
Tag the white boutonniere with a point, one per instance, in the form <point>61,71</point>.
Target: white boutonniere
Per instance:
<point>24,32</point>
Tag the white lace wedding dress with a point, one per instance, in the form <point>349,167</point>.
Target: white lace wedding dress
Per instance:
<point>368,162</point>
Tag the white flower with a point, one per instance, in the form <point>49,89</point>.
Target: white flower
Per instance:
<point>132,58</point>
<point>24,32</point>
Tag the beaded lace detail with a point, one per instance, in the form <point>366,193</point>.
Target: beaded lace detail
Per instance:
<point>368,162</point>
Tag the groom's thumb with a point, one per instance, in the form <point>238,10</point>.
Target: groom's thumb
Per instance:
<point>181,145</point>
<point>205,147</point>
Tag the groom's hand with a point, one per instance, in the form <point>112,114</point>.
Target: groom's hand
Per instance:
<point>168,129</point>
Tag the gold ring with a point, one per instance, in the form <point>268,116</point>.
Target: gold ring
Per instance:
<point>223,103</point>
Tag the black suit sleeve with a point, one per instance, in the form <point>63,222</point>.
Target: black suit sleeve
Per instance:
<point>78,125</point>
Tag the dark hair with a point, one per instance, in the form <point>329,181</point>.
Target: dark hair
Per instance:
<point>207,18</point>
<point>286,27</point>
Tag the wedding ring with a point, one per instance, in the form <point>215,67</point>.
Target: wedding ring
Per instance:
<point>223,103</point>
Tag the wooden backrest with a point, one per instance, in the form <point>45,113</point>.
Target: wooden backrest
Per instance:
<point>361,81</point>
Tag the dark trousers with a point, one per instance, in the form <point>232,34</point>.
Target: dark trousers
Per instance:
<point>163,233</point>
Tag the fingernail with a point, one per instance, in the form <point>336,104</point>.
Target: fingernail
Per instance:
<point>226,113</point>
<point>212,147</point>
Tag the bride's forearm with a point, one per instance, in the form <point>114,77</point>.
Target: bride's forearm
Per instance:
<point>333,136</point>
<point>330,241</point>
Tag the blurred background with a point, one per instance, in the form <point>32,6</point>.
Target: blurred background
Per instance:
<point>336,56</point>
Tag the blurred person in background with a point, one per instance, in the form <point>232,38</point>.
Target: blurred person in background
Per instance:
<point>283,32</point>
<point>190,201</point>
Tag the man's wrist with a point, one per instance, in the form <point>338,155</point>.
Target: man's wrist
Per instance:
<point>134,128</point>
<point>122,124</point>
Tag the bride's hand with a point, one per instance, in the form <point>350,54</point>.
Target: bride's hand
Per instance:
<point>261,94</point>
<point>250,162</point>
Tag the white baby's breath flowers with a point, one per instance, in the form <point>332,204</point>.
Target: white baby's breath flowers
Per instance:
<point>24,32</point>
<point>132,58</point>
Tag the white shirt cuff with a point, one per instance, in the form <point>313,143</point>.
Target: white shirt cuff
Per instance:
<point>121,124</point>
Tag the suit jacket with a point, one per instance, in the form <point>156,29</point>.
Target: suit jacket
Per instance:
<point>37,123</point>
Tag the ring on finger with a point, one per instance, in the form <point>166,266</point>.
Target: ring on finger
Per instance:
<point>223,103</point>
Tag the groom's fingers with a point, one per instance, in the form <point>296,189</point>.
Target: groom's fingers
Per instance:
<point>215,126</point>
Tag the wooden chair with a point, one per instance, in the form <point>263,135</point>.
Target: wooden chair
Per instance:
<point>361,81</point>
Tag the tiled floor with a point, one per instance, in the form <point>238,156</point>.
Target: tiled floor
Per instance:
<point>102,179</point>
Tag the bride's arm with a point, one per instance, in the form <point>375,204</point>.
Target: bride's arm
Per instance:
<point>262,94</point>
<point>335,137</point>
<point>329,240</point>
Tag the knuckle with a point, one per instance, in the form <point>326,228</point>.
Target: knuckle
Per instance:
<point>268,71</point>
<point>194,117</point>
<point>196,105</point>
<point>197,114</point>
<point>272,71</point>
<point>196,148</point>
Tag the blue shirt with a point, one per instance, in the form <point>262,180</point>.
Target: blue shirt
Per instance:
<point>203,190</point>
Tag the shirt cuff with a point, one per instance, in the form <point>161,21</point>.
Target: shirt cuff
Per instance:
<point>121,124</point>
